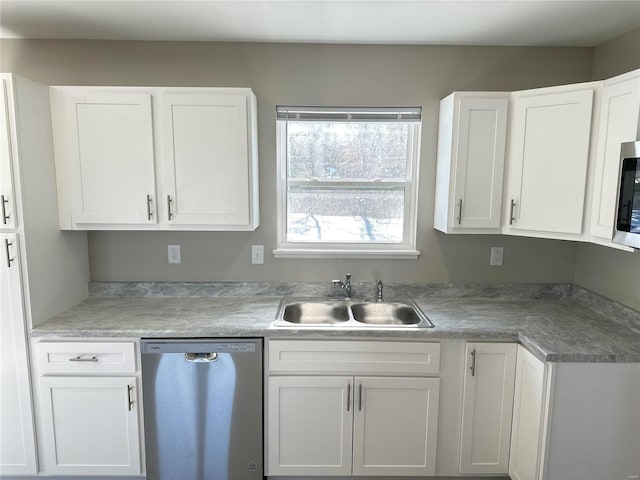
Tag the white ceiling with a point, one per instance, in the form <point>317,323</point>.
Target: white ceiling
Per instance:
<point>471,22</point>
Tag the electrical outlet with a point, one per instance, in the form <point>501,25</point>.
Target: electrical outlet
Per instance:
<point>174,254</point>
<point>497,256</point>
<point>257,254</point>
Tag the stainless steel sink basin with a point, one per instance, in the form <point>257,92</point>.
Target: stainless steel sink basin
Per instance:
<point>313,312</point>
<point>385,313</point>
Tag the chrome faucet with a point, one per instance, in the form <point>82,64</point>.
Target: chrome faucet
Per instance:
<point>379,294</point>
<point>346,286</point>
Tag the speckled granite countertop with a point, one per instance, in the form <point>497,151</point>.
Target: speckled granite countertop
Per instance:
<point>557,323</point>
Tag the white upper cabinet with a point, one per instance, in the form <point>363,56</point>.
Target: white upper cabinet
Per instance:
<point>111,156</point>
<point>619,115</point>
<point>208,159</point>
<point>547,162</point>
<point>144,158</point>
<point>471,149</point>
<point>7,198</point>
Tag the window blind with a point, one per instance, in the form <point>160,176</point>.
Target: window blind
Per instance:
<point>347,114</point>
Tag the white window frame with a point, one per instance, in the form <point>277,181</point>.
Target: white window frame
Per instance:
<point>406,249</point>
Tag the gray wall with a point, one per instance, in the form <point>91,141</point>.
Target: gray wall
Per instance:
<point>321,75</point>
<point>618,55</point>
<point>610,272</point>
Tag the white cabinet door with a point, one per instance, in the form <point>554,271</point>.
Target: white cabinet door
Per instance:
<point>110,143</point>
<point>17,442</point>
<point>487,407</point>
<point>395,426</point>
<point>593,429</point>
<point>528,417</point>
<point>547,161</point>
<point>620,109</point>
<point>310,425</point>
<point>208,159</point>
<point>7,198</point>
<point>90,425</point>
<point>471,149</point>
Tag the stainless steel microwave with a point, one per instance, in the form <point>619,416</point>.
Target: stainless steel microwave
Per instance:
<point>627,228</point>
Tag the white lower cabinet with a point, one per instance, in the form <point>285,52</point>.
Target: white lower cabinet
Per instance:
<point>90,425</point>
<point>575,421</point>
<point>89,408</point>
<point>310,422</point>
<point>352,425</point>
<point>486,407</point>
<point>340,423</point>
<point>395,426</point>
<point>528,416</point>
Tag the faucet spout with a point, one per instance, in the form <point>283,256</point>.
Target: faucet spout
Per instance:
<point>346,286</point>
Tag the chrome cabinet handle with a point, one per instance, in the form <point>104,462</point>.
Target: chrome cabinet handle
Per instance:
<point>5,217</point>
<point>149,213</point>
<point>348,396</point>
<point>129,397</point>
<point>460,212</point>
<point>169,202</point>
<point>7,244</point>
<point>84,359</point>
<point>360,397</point>
<point>511,217</point>
<point>473,363</point>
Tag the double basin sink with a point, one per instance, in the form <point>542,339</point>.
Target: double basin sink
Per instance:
<point>295,313</point>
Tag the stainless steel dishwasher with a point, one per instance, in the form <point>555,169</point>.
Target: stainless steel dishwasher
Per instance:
<point>203,409</point>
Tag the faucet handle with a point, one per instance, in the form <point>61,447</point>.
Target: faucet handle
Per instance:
<point>379,294</point>
<point>348,277</point>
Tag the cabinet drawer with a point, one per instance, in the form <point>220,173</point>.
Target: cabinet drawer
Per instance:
<point>354,357</point>
<point>85,357</point>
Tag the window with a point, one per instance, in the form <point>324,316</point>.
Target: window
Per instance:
<point>347,181</point>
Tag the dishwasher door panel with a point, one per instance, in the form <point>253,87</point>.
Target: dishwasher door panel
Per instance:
<point>203,411</point>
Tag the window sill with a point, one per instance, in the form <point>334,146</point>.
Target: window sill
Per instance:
<point>338,253</point>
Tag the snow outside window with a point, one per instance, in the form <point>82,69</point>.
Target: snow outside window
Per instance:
<point>347,181</point>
